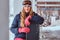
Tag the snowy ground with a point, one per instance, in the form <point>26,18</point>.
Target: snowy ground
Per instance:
<point>51,32</point>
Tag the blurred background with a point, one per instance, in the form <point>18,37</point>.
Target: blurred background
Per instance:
<point>48,9</point>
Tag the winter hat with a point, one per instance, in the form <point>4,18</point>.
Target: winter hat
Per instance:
<point>27,2</point>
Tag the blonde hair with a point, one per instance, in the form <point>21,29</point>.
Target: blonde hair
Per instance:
<point>23,16</point>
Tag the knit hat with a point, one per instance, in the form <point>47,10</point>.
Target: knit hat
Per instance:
<point>27,2</point>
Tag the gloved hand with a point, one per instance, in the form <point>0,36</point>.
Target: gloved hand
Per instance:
<point>19,39</point>
<point>24,30</point>
<point>27,23</point>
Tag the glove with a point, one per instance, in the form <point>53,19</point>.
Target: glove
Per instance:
<point>27,23</point>
<point>19,39</point>
<point>24,30</point>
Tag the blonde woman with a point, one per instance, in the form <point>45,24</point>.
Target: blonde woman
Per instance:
<point>28,22</point>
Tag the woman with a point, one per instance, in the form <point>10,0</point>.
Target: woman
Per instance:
<point>26,24</point>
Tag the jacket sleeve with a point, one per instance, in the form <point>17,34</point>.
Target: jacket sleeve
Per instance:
<point>14,27</point>
<point>37,19</point>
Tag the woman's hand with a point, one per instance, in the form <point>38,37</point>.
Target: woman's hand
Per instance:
<point>27,23</point>
<point>24,30</point>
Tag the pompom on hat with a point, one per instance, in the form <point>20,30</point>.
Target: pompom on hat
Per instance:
<point>27,2</point>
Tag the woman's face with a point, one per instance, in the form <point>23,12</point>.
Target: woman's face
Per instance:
<point>27,8</point>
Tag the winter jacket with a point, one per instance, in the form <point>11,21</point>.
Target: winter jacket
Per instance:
<point>34,26</point>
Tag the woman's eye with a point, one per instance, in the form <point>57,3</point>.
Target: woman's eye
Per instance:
<point>27,6</point>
